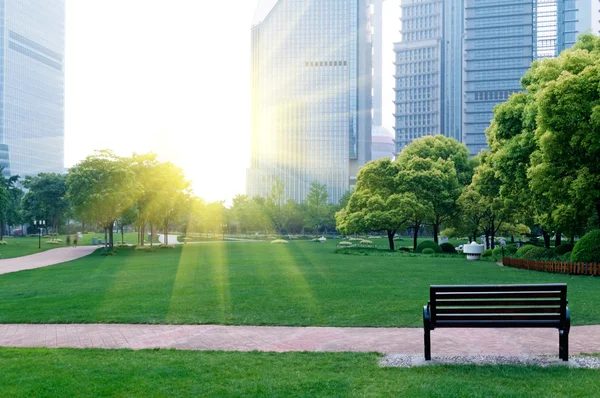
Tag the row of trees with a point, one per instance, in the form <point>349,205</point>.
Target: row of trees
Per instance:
<point>542,169</point>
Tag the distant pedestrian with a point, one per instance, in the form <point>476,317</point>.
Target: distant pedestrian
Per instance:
<point>68,240</point>
<point>75,240</point>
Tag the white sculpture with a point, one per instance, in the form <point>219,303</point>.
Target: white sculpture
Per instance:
<point>473,251</point>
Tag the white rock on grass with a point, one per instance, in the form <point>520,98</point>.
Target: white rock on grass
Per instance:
<point>409,361</point>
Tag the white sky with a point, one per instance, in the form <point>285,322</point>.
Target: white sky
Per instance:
<point>172,77</point>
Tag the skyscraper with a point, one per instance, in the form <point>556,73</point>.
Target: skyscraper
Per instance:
<point>32,44</point>
<point>311,95</point>
<point>429,70</point>
<point>499,49</point>
<point>575,18</point>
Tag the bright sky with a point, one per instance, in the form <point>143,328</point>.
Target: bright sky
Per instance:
<point>172,78</point>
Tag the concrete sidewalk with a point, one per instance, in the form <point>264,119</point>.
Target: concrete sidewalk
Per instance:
<point>447,342</point>
<point>45,259</point>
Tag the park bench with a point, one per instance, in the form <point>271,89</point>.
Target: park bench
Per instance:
<point>499,306</point>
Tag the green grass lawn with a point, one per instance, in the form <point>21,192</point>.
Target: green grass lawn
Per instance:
<point>19,247</point>
<point>303,283</point>
<point>94,373</point>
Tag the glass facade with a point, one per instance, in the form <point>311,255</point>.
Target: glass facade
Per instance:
<point>499,49</point>
<point>429,70</point>
<point>576,17</point>
<point>311,95</point>
<point>32,86</point>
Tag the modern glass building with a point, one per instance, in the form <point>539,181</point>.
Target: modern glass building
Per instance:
<point>311,95</point>
<point>32,75</point>
<point>499,48</point>
<point>429,70</point>
<point>576,17</point>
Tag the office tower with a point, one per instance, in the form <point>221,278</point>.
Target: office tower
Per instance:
<point>383,145</point>
<point>32,41</point>
<point>574,18</point>
<point>429,70</point>
<point>498,50</point>
<point>311,95</point>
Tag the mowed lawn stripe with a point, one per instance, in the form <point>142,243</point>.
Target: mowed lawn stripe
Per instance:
<point>300,284</point>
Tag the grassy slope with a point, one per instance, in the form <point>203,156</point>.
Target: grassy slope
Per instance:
<point>92,373</point>
<point>302,283</point>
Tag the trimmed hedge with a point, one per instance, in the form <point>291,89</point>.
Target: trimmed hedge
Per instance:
<point>587,249</point>
<point>539,253</point>
<point>448,248</point>
<point>487,253</point>
<point>428,251</point>
<point>564,249</point>
<point>523,250</point>
<point>428,244</point>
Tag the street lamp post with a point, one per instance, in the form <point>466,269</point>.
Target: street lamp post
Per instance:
<point>39,224</point>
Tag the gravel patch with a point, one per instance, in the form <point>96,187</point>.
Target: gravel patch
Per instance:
<point>409,361</point>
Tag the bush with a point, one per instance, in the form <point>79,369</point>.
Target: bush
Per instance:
<point>147,249</point>
<point>564,248</point>
<point>523,250</point>
<point>587,249</point>
<point>497,254</point>
<point>404,249</point>
<point>345,244</point>
<point>280,242</point>
<point>163,246</point>
<point>428,251</point>
<point>448,248</point>
<point>539,253</point>
<point>54,242</point>
<point>566,257</point>
<point>510,250</point>
<point>366,243</point>
<point>428,244</point>
<point>3,242</point>
<point>354,239</point>
<point>488,253</point>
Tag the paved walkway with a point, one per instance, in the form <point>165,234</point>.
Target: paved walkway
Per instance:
<point>459,342</point>
<point>45,259</point>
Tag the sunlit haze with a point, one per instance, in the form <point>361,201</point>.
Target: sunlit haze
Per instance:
<point>172,78</point>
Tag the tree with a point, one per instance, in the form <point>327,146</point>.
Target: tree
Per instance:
<point>46,198</point>
<point>318,210</point>
<point>101,188</point>
<point>10,202</point>
<point>277,207</point>
<point>145,168</point>
<point>434,182</point>
<point>377,204</point>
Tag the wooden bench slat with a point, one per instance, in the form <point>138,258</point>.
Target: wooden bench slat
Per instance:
<point>490,295</point>
<point>498,288</point>
<point>497,317</point>
<point>499,310</point>
<point>496,303</point>
<point>505,324</point>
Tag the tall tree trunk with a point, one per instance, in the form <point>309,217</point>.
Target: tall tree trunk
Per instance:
<point>151,235</point>
<point>390,235</point>
<point>436,230</point>
<point>105,237</point>
<point>558,240</point>
<point>110,235</point>
<point>546,239</point>
<point>122,234</point>
<point>166,233</point>
<point>416,235</point>
<point>2,231</point>
<point>573,239</point>
<point>598,210</point>
<point>493,246</point>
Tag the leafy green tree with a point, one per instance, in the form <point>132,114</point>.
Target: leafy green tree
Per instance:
<point>319,212</point>
<point>377,204</point>
<point>102,188</point>
<point>10,202</point>
<point>46,198</point>
<point>277,207</point>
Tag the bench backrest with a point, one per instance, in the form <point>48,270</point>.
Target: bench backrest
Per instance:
<point>499,306</point>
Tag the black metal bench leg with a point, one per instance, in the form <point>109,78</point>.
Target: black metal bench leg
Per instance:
<point>564,345</point>
<point>427,344</point>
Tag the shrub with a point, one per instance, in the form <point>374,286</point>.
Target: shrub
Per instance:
<point>497,254</point>
<point>355,239</point>
<point>523,250</point>
<point>448,248</point>
<point>404,249</point>
<point>428,244</point>
<point>488,253</point>
<point>345,244</point>
<point>510,250</point>
<point>3,242</point>
<point>279,242</point>
<point>587,249</point>
<point>539,253</point>
<point>428,251</point>
<point>366,242</point>
<point>566,257</point>
<point>163,246</point>
<point>147,249</point>
<point>564,248</point>
<point>54,242</point>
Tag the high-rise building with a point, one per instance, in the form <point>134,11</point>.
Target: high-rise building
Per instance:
<point>311,95</point>
<point>32,76</point>
<point>498,50</point>
<point>576,17</point>
<point>429,70</point>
